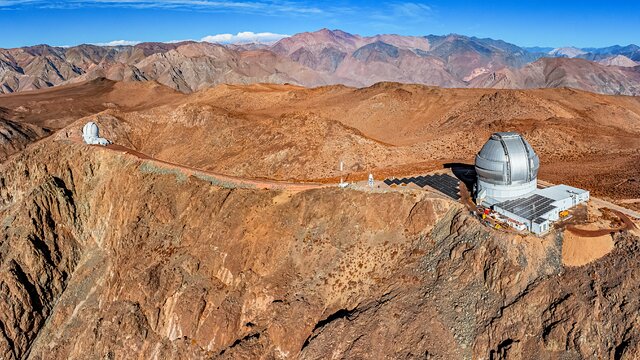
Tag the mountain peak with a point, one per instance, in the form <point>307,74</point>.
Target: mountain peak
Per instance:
<point>569,51</point>
<point>325,57</point>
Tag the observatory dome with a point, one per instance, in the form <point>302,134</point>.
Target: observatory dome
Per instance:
<point>90,130</point>
<point>506,166</point>
<point>91,135</point>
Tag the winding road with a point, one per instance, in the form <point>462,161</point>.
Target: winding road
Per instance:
<point>292,186</point>
<point>219,178</point>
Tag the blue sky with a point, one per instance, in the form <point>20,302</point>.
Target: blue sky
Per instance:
<point>527,23</point>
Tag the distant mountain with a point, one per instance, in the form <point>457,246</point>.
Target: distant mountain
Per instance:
<point>606,55</point>
<point>468,57</point>
<point>565,72</point>
<point>570,52</point>
<point>626,56</point>
<point>326,57</point>
<point>630,51</point>
<point>618,60</point>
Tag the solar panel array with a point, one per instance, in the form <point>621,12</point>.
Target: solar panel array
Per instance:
<point>530,208</point>
<point>444,183</point>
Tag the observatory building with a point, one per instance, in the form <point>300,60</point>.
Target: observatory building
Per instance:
<point>507,171</point>
<point>507,167</point>
<point>91,135</point>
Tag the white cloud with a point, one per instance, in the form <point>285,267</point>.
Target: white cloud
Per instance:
<point>244,37</point>
<point>411,9</point>
<point>118,43</point>
<point>267,7</point>
<point>179,41</point>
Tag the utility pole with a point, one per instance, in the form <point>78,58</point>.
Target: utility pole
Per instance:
<point>342,183</point>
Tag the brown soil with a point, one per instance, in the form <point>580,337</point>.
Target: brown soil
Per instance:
<point>218,178</point>
<point>55,108</point>
<point>618,221</point>
<point>151,249</point>
<point>289,133</point>
<point>579,250</point>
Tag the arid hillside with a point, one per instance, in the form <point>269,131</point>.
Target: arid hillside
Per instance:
<point>286,132</point>
<point>107,255</point>
<point>134,251</point>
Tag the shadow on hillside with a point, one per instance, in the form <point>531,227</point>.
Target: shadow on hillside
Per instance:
<point>464,172</point>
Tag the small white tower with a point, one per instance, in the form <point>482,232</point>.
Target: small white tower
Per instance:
<point>342,183</point>
<point>371,181</point>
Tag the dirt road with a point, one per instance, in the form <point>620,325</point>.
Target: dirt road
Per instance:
<point>218,178</point>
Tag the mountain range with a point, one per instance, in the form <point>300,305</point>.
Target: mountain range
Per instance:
<point>328,57</point>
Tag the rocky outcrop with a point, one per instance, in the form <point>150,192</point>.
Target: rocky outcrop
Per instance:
<point>40,250</point>
<point>586,312</point>
<point>107,255</point>
<point>178,277</point>
<point>15,136</point>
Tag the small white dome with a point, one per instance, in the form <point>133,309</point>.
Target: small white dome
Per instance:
<point>90,130</point>
<point>91,135</point>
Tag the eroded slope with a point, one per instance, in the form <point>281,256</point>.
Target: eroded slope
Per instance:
<point>292,133</point>
<point>108,255</point>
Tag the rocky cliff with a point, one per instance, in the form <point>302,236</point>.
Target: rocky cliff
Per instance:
<point>15,136</point>
<point>138,253</point>
<point>109,256</point>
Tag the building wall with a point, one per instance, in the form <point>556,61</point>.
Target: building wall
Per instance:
<point>513,216</point>
<point>562,203</point>
<point>540,228</point>
<point>584,197</point>
<point>552,215</point>
<point>531,226</point>
<point>571,201</point>
<point>505,192</point>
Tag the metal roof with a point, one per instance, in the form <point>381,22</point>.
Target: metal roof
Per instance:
<point>506,134</point>
<point>507,158</point>
<point>540,220</point>
<point>530,208</point>
<point>560,192</point>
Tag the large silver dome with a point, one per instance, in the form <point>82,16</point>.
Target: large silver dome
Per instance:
<point>506,166</point>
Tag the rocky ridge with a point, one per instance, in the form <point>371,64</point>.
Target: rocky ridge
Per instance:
<point>119,259</point>
<point>110,255</point>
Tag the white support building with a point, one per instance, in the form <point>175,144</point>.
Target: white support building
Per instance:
<point>542,207</point>
<point>564,196</point>
<point>507,169</point>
